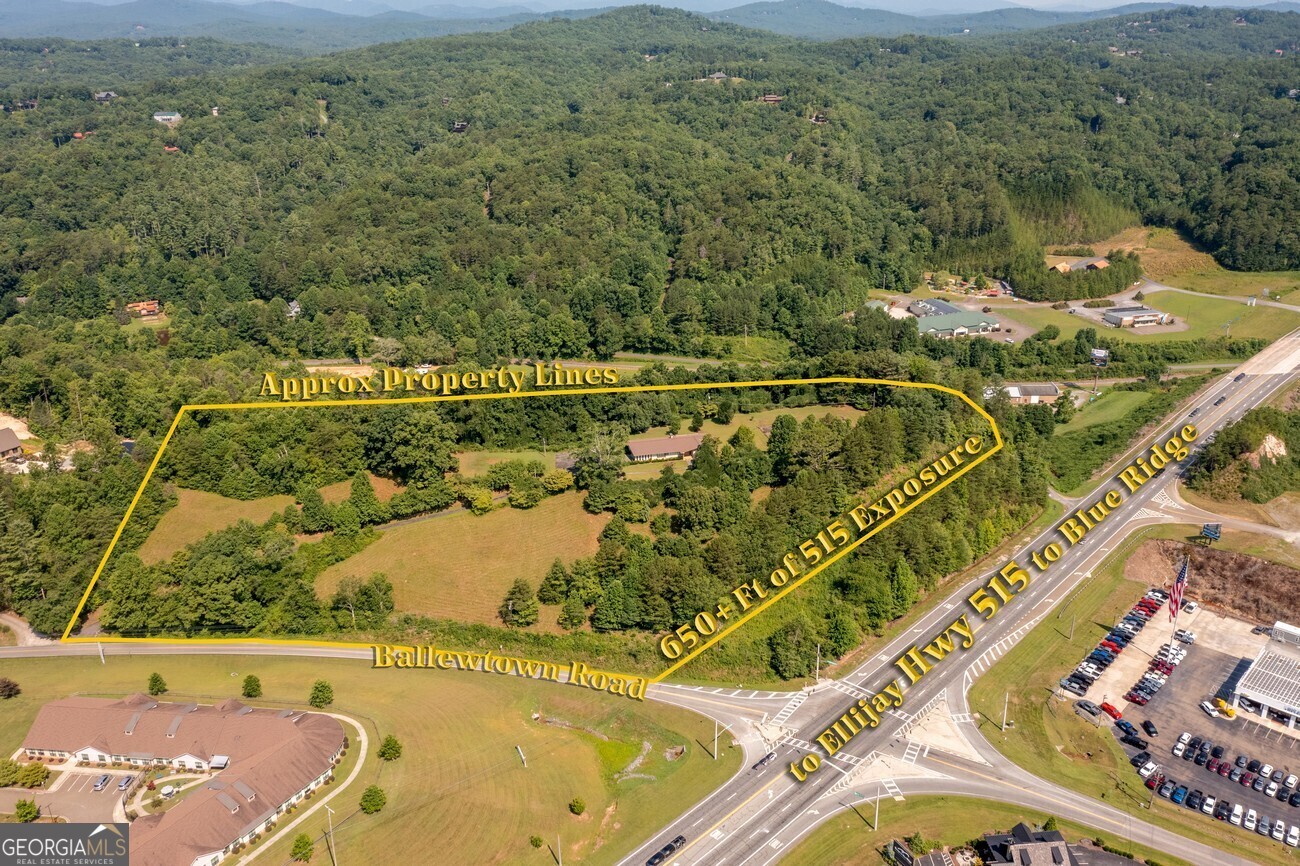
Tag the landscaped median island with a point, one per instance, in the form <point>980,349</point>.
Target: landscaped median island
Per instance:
<point>458,758</point>
<point>359,521</point>
<point>1050,739</point>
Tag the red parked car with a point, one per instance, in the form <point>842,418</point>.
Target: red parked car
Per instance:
<point>1111,711</point>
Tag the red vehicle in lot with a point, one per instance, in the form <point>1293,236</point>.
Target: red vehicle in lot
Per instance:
<point>1113,647</point>
<point>1111,711</point>
<point>1154,780</point>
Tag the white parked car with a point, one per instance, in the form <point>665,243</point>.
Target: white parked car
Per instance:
<point>1179,748</point>
<point>1147,769</point>
<point>1209,710</point>
<point>1293,836</point>
<point>1190,607</point>
<point>1270,790</point>
<point>1266,771</point>
<point>1208,805</point>
<point>1251,820</point>
<point>1279,830</point>
<point>1235,817</point>
<point>1184,738</point>
<point>1290,781</point>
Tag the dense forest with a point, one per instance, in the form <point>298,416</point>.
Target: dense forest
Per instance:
<point>597,202</point>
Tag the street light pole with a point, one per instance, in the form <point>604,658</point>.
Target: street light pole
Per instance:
<point>876,825</point>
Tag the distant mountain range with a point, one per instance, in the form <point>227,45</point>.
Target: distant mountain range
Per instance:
<point>326,25</point>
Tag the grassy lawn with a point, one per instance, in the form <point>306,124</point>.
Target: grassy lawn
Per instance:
<point>848,839</point>
<point>755,421</point>
<point>198,514</point>
<point>151,323</point>
<point>1050,740</point>
<point>474,463</point>
<point>1169,258</point>
<point>1110,406</point>
<point>459,774</point>
<point>385,489</point>
<point>1206,317</point>
<point>460,565</point>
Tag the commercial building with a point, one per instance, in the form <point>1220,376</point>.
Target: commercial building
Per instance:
<point>950,325</point>
<point>263,762</point>
<point>664,447</point>
<point>1029,847</point>
<point>932,307</point>
<point>1134,317</point>
<point>1036,392</point>
<point>1271,685</point>
<point>1090,263</point>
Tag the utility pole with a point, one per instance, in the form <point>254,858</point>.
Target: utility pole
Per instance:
<point>521,756</point>
<point>101,654</point>
<point>334,851</point>
<point>1005,702</point>
<point>876,825</point>
<point>559,850</point>
<point>817,674</point>
<point>715,737</point>
<point>1073,617</point>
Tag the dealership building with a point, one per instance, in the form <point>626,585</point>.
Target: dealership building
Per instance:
<point>1270,687</point>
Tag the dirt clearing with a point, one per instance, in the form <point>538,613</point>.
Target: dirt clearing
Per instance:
<point>1246,587</point>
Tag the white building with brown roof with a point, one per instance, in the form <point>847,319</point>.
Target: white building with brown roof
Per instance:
<point>664,447</point>
<point>264,761</point>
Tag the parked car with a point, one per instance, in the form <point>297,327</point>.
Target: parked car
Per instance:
<point>1235,774</point>
<point>1224,768</point>
<point>1283,795</point>
<point>1147,769</point>
<point>1265,826</point>
<point>1155,780</point>
<point>1135,742</point>
<point>1075,688</point>
<point>1212,765</point>
<point>1254,766</point>
<point>1088,707</point>
<point>1207,804</point>
<point>1110,710</point>
<point>1242,761</point>
<point>125,783</point>
<point>1294,799</point>
<point>1150,727</point>
<point>1167,788</point>
<point>1221,811</point>
<point>1293,836</point>
<point>1219,751</point>
<point>1123,724</point>
<point>1209,710</point>
<point>1202,758</point>
<point>1279,830</point>
<point>1251,820</point>
<point>1184,738</point>
<point>102,782</point>
<point>1179,795</point>
<point>1266,770</point>
<point>1247,779</point>
<point>1185,636</point>
<point>1271,789</point>
<point>1179,749</point>
<point>1291,781</point>
<point>1140,758</point>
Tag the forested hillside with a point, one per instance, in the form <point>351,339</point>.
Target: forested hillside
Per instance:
<point>598,201</point>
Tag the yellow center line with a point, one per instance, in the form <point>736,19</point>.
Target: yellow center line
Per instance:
<point>727,817</point>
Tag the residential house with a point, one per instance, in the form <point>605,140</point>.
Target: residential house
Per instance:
<point>664,447</point>
<point>718,76</point>
<point>104,96</point>
<point>144,308</point>
<point>1090,263</point>
<point>10,445</point>
<point>170,118</point>
<point>819,119</point>
<point>771,98</point>
<point>460,126</point>
<point>263,762</point>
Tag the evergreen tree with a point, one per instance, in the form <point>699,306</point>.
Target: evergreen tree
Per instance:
<point>611,609</point>
<point>555,586</point>
<point>584,581</point>
<point>157,685</point>
<point>573,614</point>
<point>519,608</point>
<point>317,516</point>
<point>322,694</point>
<point>368,507</point>
<point>780,446</point>
<point>986,536</point>
<point>842,633</point>
<point>252,687</point>
<point>347,524</point>
<point>26,811</point>
<point>33,775</point>
<point>697,420</point>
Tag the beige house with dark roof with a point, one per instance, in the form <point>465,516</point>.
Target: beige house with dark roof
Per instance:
<point>264,761</point>
<point>664,447</point>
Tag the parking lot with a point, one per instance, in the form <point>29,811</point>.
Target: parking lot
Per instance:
<point>1176,708</point>
<point>70,795</point>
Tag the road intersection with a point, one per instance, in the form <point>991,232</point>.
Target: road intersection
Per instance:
<point>760,814</point>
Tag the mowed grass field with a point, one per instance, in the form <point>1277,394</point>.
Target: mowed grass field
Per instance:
<point>385,489</point>
<point>474,463</point>
<point>1110,406</point>
<point>1051,740</point>
<point>459,793</point>
<point>460,565</point>
<point>197,514</point>
<point>1167,257</point>
<point>849,840</point>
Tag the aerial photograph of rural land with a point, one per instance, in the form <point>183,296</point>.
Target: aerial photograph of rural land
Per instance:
<point>721,433</point>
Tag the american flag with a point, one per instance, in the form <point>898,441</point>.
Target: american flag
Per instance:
<point>1176,595</point>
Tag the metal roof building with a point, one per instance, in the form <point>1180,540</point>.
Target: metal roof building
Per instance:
<point>1271,685</point>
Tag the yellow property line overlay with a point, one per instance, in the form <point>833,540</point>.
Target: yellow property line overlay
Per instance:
<point>692,386</point>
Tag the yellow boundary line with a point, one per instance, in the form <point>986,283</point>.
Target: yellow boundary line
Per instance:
<point>693,386</point>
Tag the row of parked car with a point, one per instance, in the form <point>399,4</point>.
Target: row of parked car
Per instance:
<point>1159,669</point>
<point>1109,647</point>
<point>1272,782</point>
